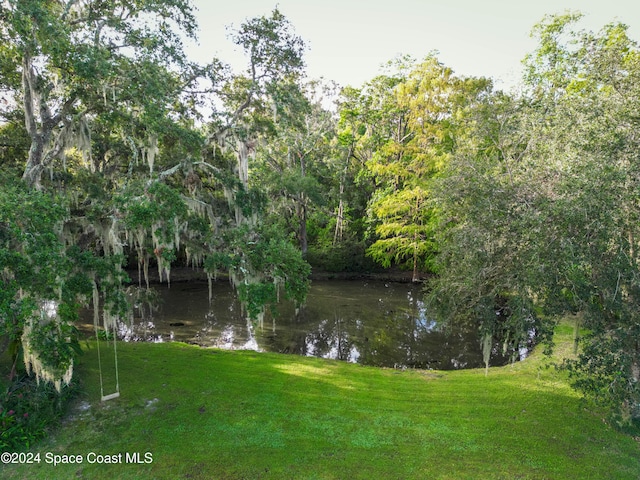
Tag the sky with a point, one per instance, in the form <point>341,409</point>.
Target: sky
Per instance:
<point>349,40</point>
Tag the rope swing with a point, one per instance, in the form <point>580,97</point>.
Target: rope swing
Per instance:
<point>116,394</point>
<point>108,320</point>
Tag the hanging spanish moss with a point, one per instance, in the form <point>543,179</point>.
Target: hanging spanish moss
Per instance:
<point>487,340</point>
<point>150,151</point>
<point>33,355</point>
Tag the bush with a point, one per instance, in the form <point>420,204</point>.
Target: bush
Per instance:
<point>28,410</point>
<point>347,257</point>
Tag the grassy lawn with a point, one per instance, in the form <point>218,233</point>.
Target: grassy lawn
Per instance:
<point>210,414</point>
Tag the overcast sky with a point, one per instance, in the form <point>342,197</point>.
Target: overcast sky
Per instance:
<point>348,40</point>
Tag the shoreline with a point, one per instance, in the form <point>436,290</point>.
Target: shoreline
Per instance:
<point>189,274</point>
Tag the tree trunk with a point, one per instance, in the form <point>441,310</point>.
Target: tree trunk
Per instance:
<point>38,121</point>
<point>33,169</point>
<point>303,228</point>
<point>243,175</point>
<point>415,278</point>
<point>32,104</point>
<point>243,163</point>
<point>303,212</point>
<point>337,234</point>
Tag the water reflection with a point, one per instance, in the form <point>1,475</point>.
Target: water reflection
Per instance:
<point>371,323</point>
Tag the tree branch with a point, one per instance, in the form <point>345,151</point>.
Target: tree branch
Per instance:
<point>27,85</point>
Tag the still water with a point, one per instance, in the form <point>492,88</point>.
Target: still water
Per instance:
<point>367,322</point>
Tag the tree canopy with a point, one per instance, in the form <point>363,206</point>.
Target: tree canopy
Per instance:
<point>117,151</point>
<point>539,210</point>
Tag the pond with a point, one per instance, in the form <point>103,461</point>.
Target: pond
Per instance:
<point>367,322</point>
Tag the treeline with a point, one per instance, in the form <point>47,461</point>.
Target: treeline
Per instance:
<point>116,150</point>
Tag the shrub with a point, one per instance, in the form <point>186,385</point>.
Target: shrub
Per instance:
<point>29,409</point>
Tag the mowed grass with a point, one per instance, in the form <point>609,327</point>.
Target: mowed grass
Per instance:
<point>210,414</point>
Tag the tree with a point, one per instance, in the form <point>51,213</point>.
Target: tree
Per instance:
<point>597,139</point>
<point>252,103</point>
<point>274,54</point>
<point>371,123</point>
<point>488,202</point>
<point>539,210</point>
<point>428,103</point>
<point>366,120</point>
<point>14,143</point>
<point>93,84</point>
<point>294,166</point>
<point>45,281</point>
<point>109,104</point>
<point>74,60</point>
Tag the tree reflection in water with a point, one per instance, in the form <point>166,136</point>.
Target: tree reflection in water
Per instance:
<point>371,323</point>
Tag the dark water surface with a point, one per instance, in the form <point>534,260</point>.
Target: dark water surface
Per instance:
<point>368,322</point>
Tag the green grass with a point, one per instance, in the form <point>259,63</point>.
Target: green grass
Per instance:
<point>209,414</point>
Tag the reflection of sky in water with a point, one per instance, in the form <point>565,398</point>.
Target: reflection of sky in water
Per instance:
<point>374,323</point>
<point>143,331</point>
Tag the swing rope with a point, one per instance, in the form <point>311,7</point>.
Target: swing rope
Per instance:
<point>116,394</point>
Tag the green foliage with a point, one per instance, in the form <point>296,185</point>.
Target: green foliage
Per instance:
<point>56,344</point>
<point>525,206</point>
<point>539,210</point>
<point>217,261</point>
<point>294,168</point>
<point>28,410</point>
<point>113,166</point>
<point>14,143</point>
<point>103,59</point>
<point>159,211</point>
<point>159,204</point>
<point>405,232</point>
<point>599,196</point>
<point>273,49</point>
<point>410,139</point>
<point>44,282</point>
<point>30,252</point>
<point>488,275</point>
<point>277,263</point>
<point>345,257</point>
<point>256,296</point>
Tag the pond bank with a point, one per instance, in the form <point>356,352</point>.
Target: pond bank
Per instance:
<point>186,274</point>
